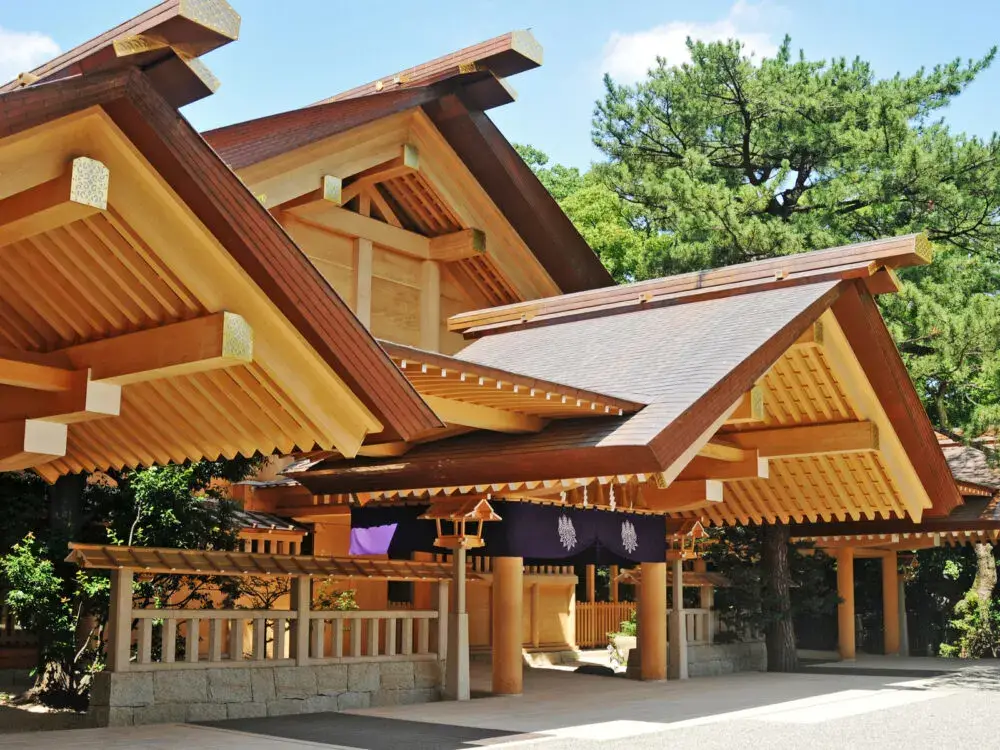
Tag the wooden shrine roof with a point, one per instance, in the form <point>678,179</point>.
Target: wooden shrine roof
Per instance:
<point>501,56</point>
<point>867,261</point>
<point>150,560</point>
<point>166,42</point>
<point>452,93</point>
<point>172,238</point>
<point>838,431</point>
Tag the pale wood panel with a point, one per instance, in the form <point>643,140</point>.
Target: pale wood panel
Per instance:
<point>395,312</point>
<point>397,268</point>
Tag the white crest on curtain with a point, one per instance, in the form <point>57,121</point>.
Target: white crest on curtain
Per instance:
<point>630,540</point>
<point>567,532</point>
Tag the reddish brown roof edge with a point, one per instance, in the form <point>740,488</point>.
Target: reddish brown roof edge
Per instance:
<point>505,55</point>
<point>847,261</point>
<point>866,332</point>
<point>165,40</point>
<point>244,227</point>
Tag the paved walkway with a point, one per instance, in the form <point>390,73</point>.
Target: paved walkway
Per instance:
<point>831,709</point>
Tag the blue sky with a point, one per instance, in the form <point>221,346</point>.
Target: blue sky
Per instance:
<point>293,52</point>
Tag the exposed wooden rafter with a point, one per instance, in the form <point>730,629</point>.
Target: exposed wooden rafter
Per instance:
<point>682,495</point>
<point>24,444</point>
<point>82,190</point>
<point>812,440</point>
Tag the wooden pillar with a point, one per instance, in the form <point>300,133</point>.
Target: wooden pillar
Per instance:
<point>120,620</point>
<point>904,627</point>
<point>845,610</point>
<point>302,604</point>
<point>363,264</point>
<point>614,583</point>
<point>677,663</point>
<point>508,611</point>
<point>430,306</point>
<point>706,595</point>
<point>591,583</point>
<point>890,604</point>
<point>456,684</point>
<point>652,635</point>
<point>441,602</point>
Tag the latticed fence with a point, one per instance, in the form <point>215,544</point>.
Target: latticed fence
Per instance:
<point>594,620</point>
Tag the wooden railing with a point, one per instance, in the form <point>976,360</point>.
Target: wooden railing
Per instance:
<point>699,626</point>
<point>594,620</point>
<point>250,638</point>
<point>366,636</point>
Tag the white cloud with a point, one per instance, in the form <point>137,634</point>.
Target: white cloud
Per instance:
<point>627,57</point>
<point>21,51</point>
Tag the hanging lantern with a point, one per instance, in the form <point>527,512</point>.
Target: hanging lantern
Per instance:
<point>460,522</point>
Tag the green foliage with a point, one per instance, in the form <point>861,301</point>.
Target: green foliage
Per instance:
<point>747,606</point>
<point>977,627</point>
<point>171,506</point>
<point>631,625</point>
<point>54,605</point>
<point>329,598</point>
<point>736,161</point>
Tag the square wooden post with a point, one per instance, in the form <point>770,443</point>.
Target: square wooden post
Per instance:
<point>845,610</point>
<point>890,604</point>
<point>508,612</point>
<point>652,635</point>
<point>456,685</point>
<point>678,662</point>
<point>614,583</point>
<point>302,604</point>
<point>904,627</point>
<point>591,583</point>
<point>120,620</point>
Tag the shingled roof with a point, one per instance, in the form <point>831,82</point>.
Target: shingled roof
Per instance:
<point>689,347</point>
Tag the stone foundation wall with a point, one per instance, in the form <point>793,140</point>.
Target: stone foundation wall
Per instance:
<point>126,698</point>
<point>726,658</point>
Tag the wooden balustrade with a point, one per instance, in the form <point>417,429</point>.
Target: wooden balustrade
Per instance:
<point>199,638</point>
<point>699,626</point>
<point>371,635</point>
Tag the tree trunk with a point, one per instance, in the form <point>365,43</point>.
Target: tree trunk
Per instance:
<point>986,576</point>
<point>66,506</point>
<point>780,632</point>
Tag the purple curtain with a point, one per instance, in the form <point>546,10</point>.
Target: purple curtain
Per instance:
<point>374,540</point>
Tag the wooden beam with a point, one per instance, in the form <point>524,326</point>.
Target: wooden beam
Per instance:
<point>753,467</point>
<point>406,163</point>
<point>681,496</point>
<point>722,450</point>
<point>24,444</point>
<point>21,373</point>
<point>467,243</point>
<point>812,440</point>
<point>79,192</point>
<point>83,401</point>
<point>324,215</point>
<point>482,417</point>
<point>364,259</point>
<point>214,341</point>
<point>813,336</point>
<point>750,409</point>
